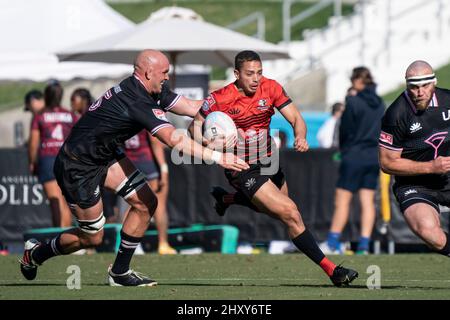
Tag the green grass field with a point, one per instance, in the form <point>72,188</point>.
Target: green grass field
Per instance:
<point>240,277</point>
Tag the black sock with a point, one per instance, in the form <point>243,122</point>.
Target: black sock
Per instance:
<point>446,249</point>
<point>126,250</point>
<point>47,251</point>
<point>305,242</point>
<point>241,199</point>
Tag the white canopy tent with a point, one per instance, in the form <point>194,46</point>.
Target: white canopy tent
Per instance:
<point>181,34</point>
<point>32,31</point>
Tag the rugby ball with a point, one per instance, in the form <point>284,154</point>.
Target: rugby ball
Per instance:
<point>219,124</point>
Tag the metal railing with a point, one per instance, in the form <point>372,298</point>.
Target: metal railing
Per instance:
<point>289,21</point>
<point>260,24</point>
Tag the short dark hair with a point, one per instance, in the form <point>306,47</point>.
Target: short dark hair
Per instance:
<point>84,94</point>
<point>362,73</point>
<point>338,106</point>
<point>243,56</point>
<point>53,93</point>
<point>32,94</point>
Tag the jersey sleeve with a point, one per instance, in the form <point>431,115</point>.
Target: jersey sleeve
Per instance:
<point>279,96</point>
<point>209,105</point>
<point>168,98</point>
<point>392,132</point>
<point>152,118</point>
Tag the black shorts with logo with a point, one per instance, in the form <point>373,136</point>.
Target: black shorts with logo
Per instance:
<point>81,183</point>
<point>249,181</point>
<point>409,195</point>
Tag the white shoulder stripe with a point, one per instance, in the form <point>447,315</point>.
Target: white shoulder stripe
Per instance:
<point>390,148</point>
<point>157,128</point>
<point>174,102</point>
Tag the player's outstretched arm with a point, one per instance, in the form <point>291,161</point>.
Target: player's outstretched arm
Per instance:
<point>186,145</point>
<point>186,107</point>
<point>391,162</point>
<point>195,129</point>
<point>293,116</point>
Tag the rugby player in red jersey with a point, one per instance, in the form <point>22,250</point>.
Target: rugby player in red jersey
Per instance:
<point>251,101</point>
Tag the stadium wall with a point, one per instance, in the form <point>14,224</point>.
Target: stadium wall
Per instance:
<point>311,178</point>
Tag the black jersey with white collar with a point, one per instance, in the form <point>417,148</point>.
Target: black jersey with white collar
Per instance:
<point>418,135</point>
<point>119,114</point>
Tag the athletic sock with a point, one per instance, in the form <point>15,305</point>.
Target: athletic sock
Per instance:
<point>228,199</point>
<point>46,251</point>
<point>328,266</point>
<point>333,240</point>
<point>126,250</point>
<point>363,244</point>
<point>446,249</point>
<point>241,199</point>
<point>305,242</point>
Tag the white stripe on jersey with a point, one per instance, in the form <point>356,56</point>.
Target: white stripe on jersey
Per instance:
<point>173,103</point>
<point>156,129</point>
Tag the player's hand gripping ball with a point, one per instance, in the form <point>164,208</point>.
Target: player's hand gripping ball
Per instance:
<point>220,131</point>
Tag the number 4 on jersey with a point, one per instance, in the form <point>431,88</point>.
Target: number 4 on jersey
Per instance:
<point>57,133</point>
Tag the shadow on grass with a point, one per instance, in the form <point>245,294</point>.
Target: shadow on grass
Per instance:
<point>47,284</point>
<point>187,284</point>
<point>316,286</point>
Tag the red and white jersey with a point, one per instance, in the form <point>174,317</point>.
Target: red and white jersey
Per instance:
<point>54,126</point>
<point>138,149</point>
<point>251,114</point>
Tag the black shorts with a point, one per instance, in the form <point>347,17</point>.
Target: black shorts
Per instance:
<point>355,174</point>
<point>409,195</point>
<point>81,183</point>
<point>45,169</point>
<point>249,181</point>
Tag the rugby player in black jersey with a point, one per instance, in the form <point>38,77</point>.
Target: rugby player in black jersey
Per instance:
<point>415,148</point>
<point>91,157</point>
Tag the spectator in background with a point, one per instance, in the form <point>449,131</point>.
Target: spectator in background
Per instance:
<point>80,100</point>
<point>49,129</point>
<point>147,154</point>
<point>359,170</point>
<point>34,101</point>
<point>328,133</point>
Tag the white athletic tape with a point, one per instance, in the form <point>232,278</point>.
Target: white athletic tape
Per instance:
<point>131,184</point>
<point>216,156</point>
<point>92,226</point>
<point>164,168</point>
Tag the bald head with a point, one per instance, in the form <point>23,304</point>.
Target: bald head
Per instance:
<point>418,68</point>
<point>148,58</point>
<point>151,67</point>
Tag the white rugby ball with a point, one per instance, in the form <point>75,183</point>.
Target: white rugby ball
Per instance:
<point>217,124</point>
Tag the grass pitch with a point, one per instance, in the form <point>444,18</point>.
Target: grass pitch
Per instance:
<point>237,277</point>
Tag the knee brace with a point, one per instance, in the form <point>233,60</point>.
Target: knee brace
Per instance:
<point>131,184</point>
<point>92,226</point>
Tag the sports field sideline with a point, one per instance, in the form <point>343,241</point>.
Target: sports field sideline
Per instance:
<point>237,277</point>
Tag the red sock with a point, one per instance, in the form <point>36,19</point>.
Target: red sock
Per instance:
<point>327,266</point>
<point>228,198</point>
